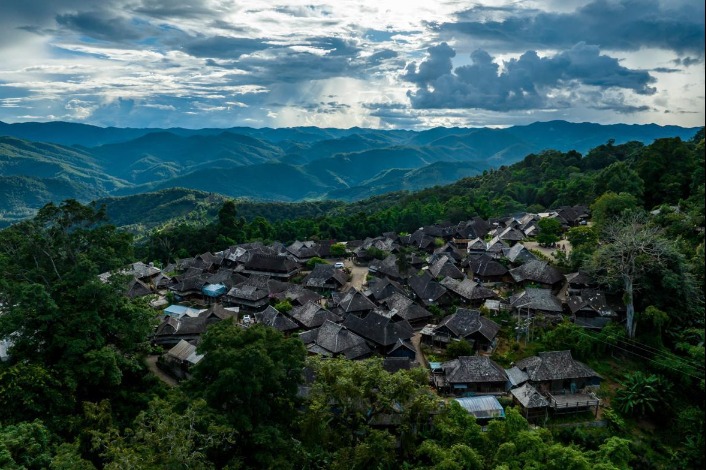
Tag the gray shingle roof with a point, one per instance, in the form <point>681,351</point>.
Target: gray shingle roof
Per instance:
<point>325,274</point>
<point>273,318</point>
<point>529,397</point>
<point>537,271</point>
<point>486,266</point>
<point>337,338</point>
<point>537,299</point>
<point>466,322</point>
<point>473,369</point>
<point>406,307</point>
<point>379,329</point>
<point>554,365</point>
<point>313,315</point>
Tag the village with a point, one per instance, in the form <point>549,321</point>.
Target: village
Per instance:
<point>411,299</point>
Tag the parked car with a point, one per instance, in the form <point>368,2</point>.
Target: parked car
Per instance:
<point>338,264</point>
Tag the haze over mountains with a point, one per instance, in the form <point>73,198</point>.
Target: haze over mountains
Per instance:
<point>42,162</point>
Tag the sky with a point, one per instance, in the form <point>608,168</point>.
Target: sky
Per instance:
<point>411,64</point>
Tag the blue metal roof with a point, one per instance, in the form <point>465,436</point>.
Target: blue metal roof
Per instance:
<point>482,407</point>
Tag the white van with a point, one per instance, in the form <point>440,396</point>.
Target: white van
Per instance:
<point>338,265</point>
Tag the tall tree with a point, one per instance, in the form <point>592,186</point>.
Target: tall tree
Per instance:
<point>631,247</point>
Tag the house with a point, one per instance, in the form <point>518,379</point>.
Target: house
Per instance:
<point>171,330</point>
<point>271,265</point>
<point>519,254</point>
<point>428,290</point>
<point>137,288</point>
<point>406,308</point>
<point>538,272</point>
<point>558,372</point>
<point>313,315</point>
<point>217,312</point>
<point>589,309</point>
<point>394,364</point>
<point>332,339</point>
<point>402,349</point>
<point>386,267</point>
<point>511,235</point>
<point>247,297</point>
<point>468,291</point>
<point>487,269</point>
<point>273,318</point>
<point>484,408</point>
<point>468,325</point>
<point>579,281</point>
<point>353,302</point>
<point>325,277</point>
<point>533,301</point>
<point>565,382</point>
<point>179,359</point>
<point>443,267</point>
<point>495,247</point>
<point>382,288</point>
<point>476,374</point>
<point>533,405</point>
<point>139,270</point>
<point>380,331</point>
<point>476,247</point>
<point>178,311</point>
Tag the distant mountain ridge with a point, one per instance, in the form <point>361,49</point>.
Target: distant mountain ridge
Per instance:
<point>42,162</point>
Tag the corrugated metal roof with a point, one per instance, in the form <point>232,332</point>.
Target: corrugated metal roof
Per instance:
<point>482,407</point>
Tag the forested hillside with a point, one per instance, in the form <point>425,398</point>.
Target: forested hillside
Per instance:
<point>75,392</point>
<point>52,161</point>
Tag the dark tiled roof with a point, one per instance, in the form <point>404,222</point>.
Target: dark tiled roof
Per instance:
<point>554,365</point>
<point>537,299</point>
<point>386,267</point>
<point>313,315</point>
<point>337,338</point>
<point>519,254</point>
<point>379,329</point>
<point>529,397</point>
<point>473,369</point>
<point>382,288</point>
<point>270,263</point>
<point>468,289</point>
<point>394,364</point>
<point>273,318</point>
<point>537,271</point>
<point>426,288</point>
<point>444,267</point>
<point>485,266</point>
<point>466,322</point>
<point>325,274</point>
<point>354,301</point>
<point>247,292</point>
<point>406,308</point>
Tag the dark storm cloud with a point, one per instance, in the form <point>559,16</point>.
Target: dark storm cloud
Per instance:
<point>525,83</point>
<point>222,47</point>
<point>621,24</point>
<point>106,27</point>
<point>288,64</point>
<point>170,9</point>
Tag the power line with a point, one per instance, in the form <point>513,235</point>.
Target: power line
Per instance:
<point>651,350</point>
<point>640,356</point>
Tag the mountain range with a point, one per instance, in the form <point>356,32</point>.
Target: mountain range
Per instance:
<point>42,162</point>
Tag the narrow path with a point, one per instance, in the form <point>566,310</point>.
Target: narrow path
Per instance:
<point>151,362</point>
<point>416,342</point>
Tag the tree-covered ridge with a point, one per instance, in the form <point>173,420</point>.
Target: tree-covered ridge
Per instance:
<point>539,182</point>
<point>300,164</point>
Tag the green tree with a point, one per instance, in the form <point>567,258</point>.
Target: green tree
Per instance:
<point>641,394</point>
<point>549,231</point>
<point>610,206</point>
<point>631,247</point>
<point>251,377</point>
<point>459,348</point>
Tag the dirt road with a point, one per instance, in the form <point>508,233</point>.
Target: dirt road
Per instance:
<point>151,362</point>
<point>548,251</point>
<point>359,275</point>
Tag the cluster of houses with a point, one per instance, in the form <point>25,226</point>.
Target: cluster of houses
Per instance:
<point>454,268</point>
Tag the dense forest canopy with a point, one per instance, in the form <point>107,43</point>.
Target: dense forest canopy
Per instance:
<point>75,392</point>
